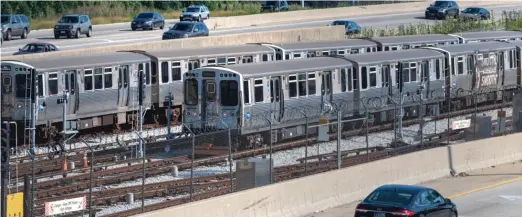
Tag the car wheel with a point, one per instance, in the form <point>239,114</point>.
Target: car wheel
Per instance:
<point>133,28</point>
<point>8,36</point>
<point>454,214</point>
<point>199,18</point>
<point>89,33</point>
<point>24,34</point>
<point>77,35</point>
<point>162,26</point>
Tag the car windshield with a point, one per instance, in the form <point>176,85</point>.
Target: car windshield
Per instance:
<point>390,197</point>
<point>69,20</point>
<point>472,10</point>
<point>145,16</point>
<point>33,47</point>
<point>192,9</point>
<point>338,23</point>
<point>440,3</point>
<point>185,27</point>
<point>271,3</point>
<point>5,19</point>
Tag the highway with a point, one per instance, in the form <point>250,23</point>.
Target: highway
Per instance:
<point>113,34</point>
<point>491,192</point>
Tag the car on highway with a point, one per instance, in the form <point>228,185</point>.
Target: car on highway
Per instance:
<point>279,5</point>
<point>36,47</point>
<point>474,13</point>
<point>195,13</point>
<point>442,10</point>
<point>186,29</point>
<point>350,27</point>
<point>72,25</point>
<point>405,200</point>
<point>15,25</point>
<point>148,20</point>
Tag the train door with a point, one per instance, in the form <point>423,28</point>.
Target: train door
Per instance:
<point>425,77</point>
<point>71,88</point>
<point>326,87</point>
<point>208,101</point>
<point>386,80</point>
<point>193,64</point>
<point>123,86</point>
<point>275,98</point>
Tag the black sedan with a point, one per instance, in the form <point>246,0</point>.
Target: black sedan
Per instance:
<point>475,14</point>
<point>405,200</point>
<point>148,20</point>
<point>186,29</point>
<point>36,47</point>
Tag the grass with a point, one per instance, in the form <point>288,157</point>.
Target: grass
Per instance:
<point>510,20</point>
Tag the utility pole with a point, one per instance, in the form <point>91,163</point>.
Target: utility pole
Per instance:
<point>63,99</point>
<point>168,103</point>
<point>33,97</point>
<point>141,96</point>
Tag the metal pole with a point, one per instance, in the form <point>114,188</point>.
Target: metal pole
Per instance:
<point>400,116</point>
<point>140,151</point>
<point>192,164</point>
<point>64,118</point>
<point>16,151</point>
<point>306,147</point>
<point>421,113</point>
<point>475,118</point>
<point>90,181</point>
<point>143,173</point>
<point>367,143</point>
<point>169,111</point>
<point>270,154</point>
<point>231,160</point>
<point>339,139</point>
<point>449,116</point>
<point>33,152</point>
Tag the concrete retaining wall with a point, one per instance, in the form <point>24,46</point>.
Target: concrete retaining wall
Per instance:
<point>322,33</point>
<point>298,197</point>
<point>321,14</point>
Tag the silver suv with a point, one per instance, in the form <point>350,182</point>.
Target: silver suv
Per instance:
<point>15,25</point>
<point>73,25</point>
<point>195,12</point>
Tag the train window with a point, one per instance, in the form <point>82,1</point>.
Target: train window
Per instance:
<point>364,78</point>
<point>373,76</point>
<point>354,51</point>
<point>405,75</point>
<point>326,53</point>
<point>333,52</point>
<point>154,73</point>
<point>368,50</point>
<point>231,61</point>
<point>53,83</point>
<point>211,91</point>
<point>66,81</point>
<point>341,52</point>
<point>229,93</point>
<point>471,64</point>
<point>140,67</point>
<point>247,59</point>
<point>394,48</point>
<point>147,73</point>
<point>221,61</point>
<point>125,70</point>
<point>164,72</point>
<point>297,55</point>
<point>246,92</point>
<point>40,85</point>
<point>343,80</point>
<point>258,90</point>
<point>405,47</point>
<point>211,62</point>
<point>292,80</point>
<point>460,65</point>
<point>311,84</point>
<point>355,78</point>
<point>191,91</point>
<point>437,69</point>
<point>302,84</point>
<point>176,71</point>
<point>107,77</point>
<point>88,80</point>
<point>512,59</point>
<point>413,72</point>
<point>350,80</point>
<point>287,56</point>
<point>265,57</point>
<point>20,86</point>
<point>98,79</point>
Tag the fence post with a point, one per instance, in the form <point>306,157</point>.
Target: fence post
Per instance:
<point>339,118</point>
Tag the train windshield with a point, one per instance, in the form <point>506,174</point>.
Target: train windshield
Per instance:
<point>191,92</point>
<point>20,84</point>
<point>229,93</point>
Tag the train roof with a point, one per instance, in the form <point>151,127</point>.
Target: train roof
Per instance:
<point>289,66</point>
<point>326,45</point>
<point>489,35</point>
<point>517,43</point>
<point>394,56</point>
<point>490,46</point>
<point>175,53</point>
<point>409,39</point>
<point>85,60</point>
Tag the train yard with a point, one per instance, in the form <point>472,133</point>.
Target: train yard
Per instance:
<point>117,173</point>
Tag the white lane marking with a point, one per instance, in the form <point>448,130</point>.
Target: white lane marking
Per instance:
<point>511,197</point>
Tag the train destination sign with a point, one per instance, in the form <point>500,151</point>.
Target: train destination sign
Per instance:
<point>486,72</point>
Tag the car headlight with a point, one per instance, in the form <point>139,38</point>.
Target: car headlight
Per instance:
<point>150,21</point>
<point>441,10</point>
<point>194,15</point>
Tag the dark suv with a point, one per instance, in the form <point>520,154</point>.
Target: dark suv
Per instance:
<point>442,9</point>
<point>186,29</point>
<point>148,20</point>
<point>73,25</point>
<point>15,25</point>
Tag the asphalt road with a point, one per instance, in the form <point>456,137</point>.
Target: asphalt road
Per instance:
<point>113,34</point>
<point>491,192</point>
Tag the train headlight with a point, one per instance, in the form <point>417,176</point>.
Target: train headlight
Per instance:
<point>188,113</point>
<point>224,114</point>
<point>19,105</point>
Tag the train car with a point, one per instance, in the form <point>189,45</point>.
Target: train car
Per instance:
<point>101,89</point>
<point>377,79</point>
<point>168,66</point>
<point>307,49</point>
<point>473,37</point>
<point>249,97</point>
<point>477,71</point>
<point>518,54</point>
<point>392,43</point>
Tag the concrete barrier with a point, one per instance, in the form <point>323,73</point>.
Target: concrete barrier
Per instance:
<point>298,197</point>
<point>333,13</point>
<point>285,36</point>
